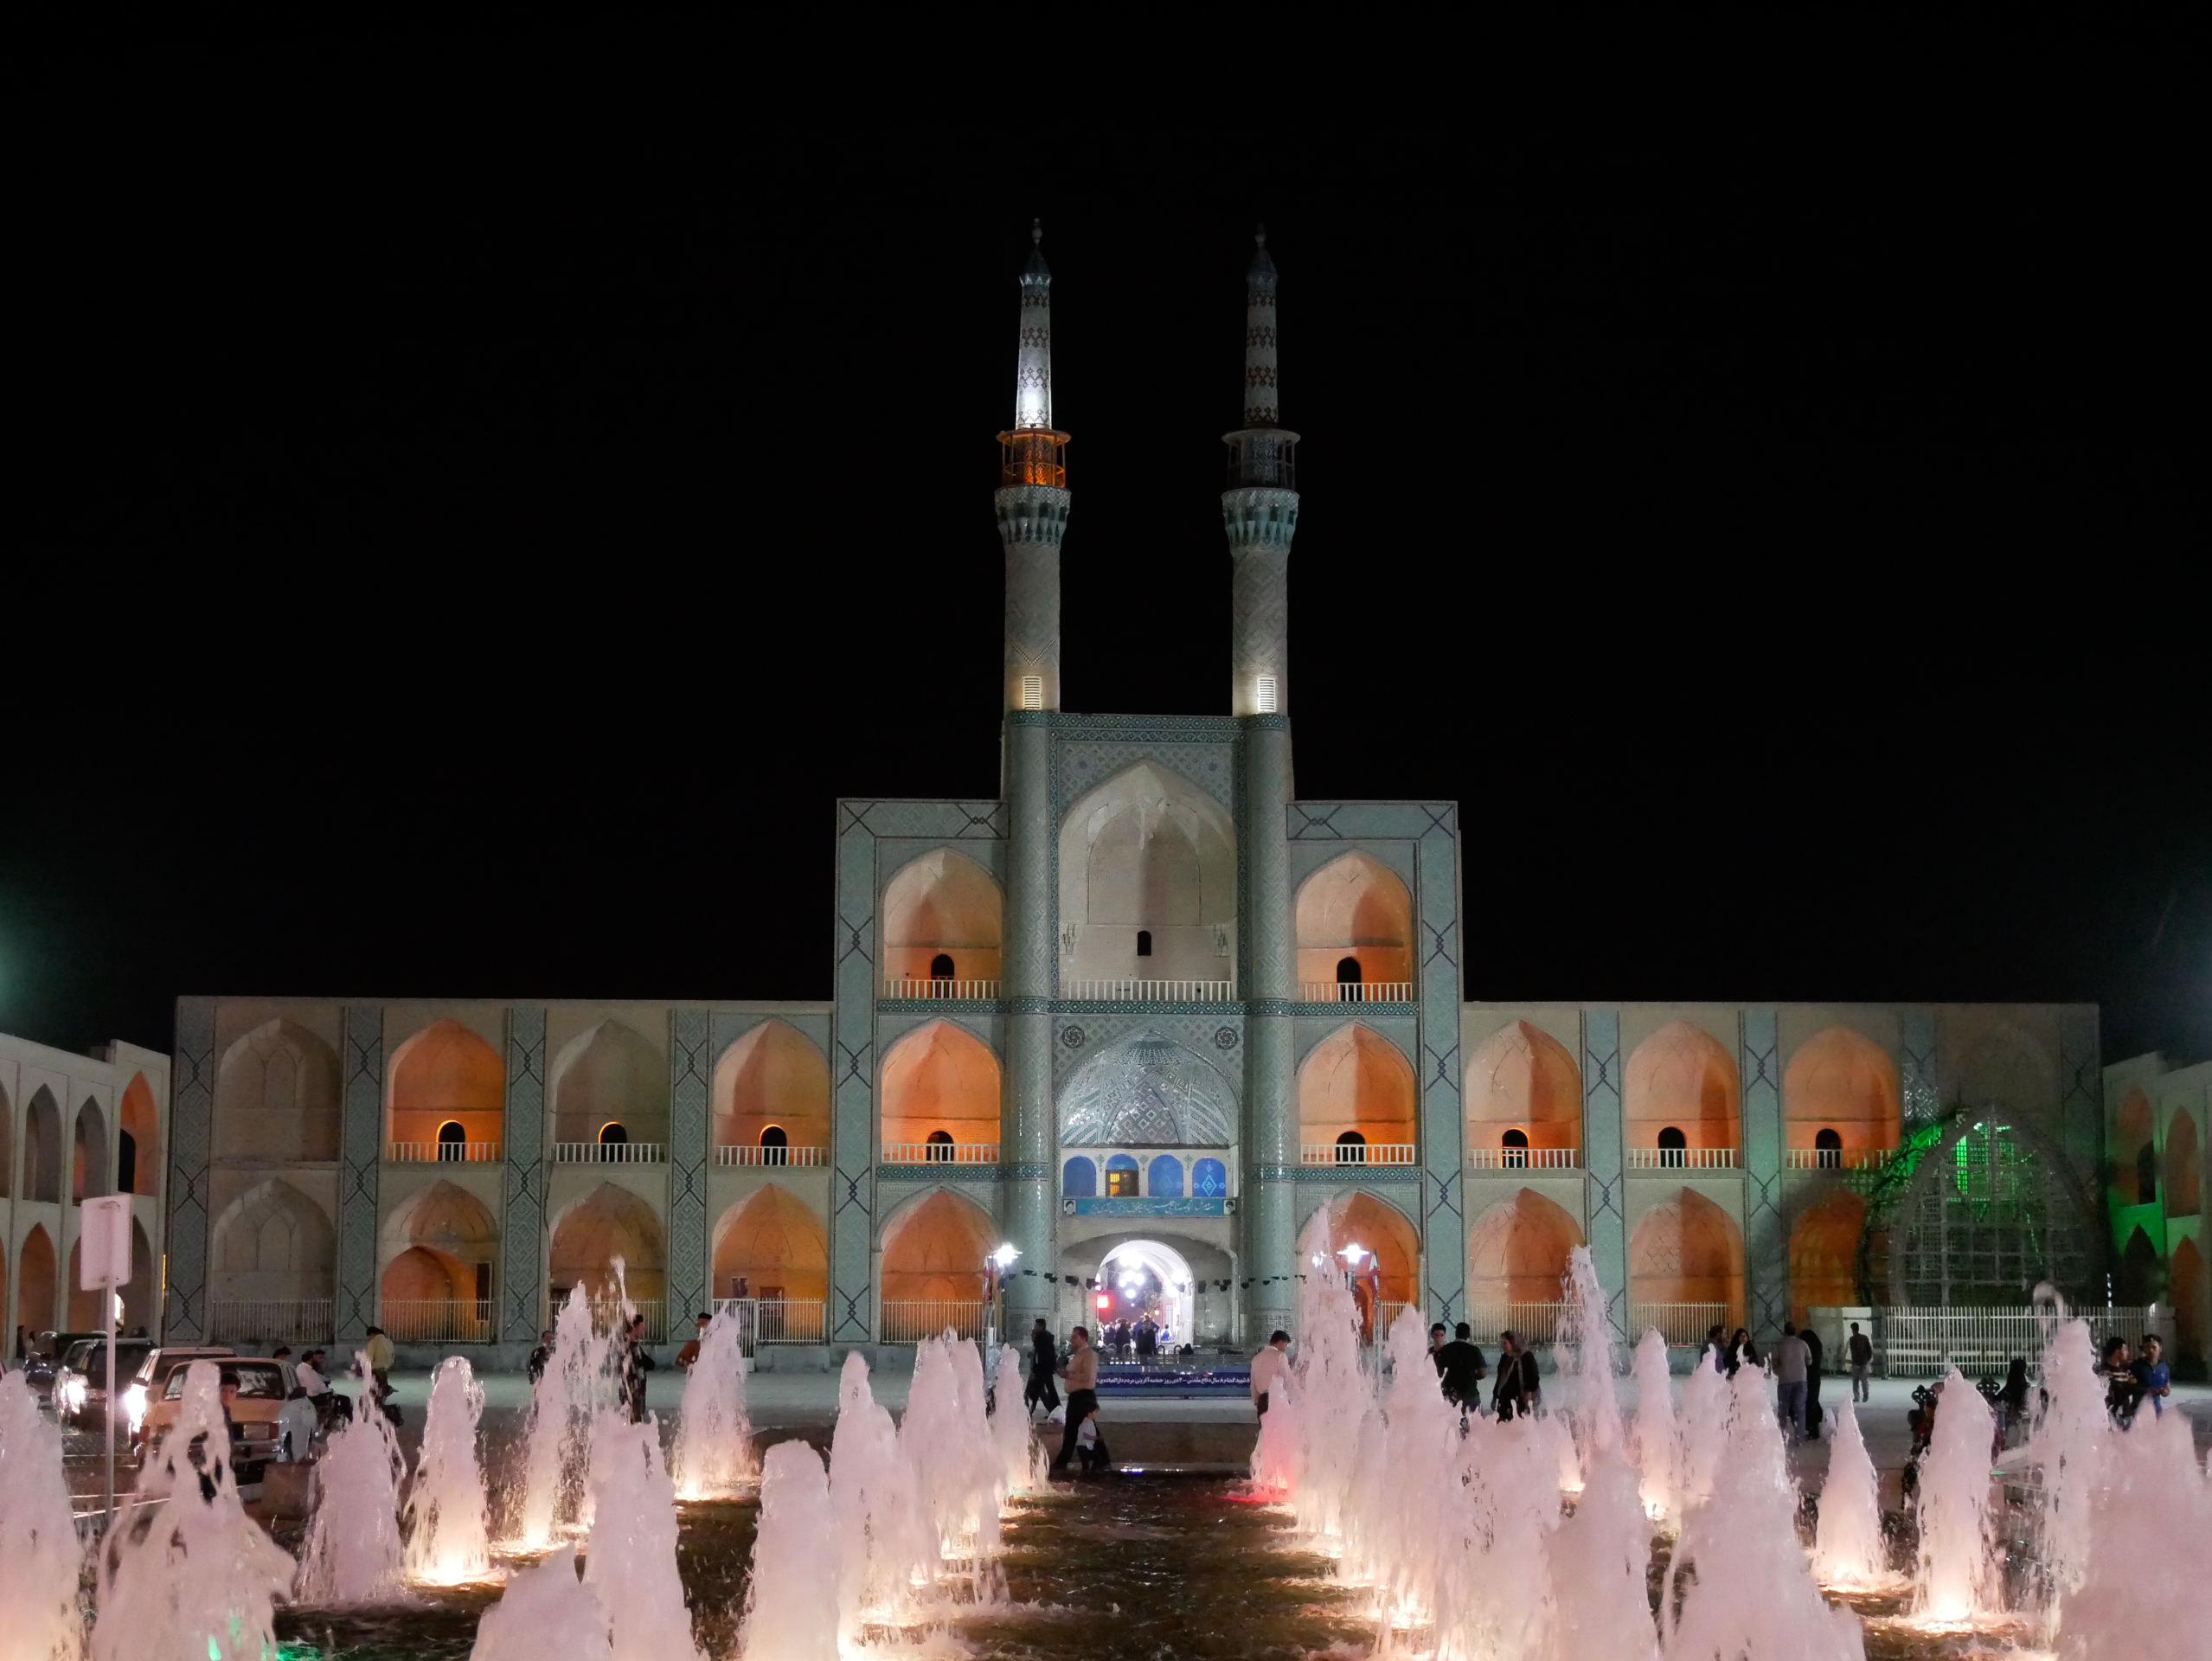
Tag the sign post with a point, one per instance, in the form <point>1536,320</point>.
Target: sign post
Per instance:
<point>104,1263</point>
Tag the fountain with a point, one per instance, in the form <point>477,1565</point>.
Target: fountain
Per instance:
<point>947,1441</point>
<point>1586,1364</point>
<point>884,1547</point>
<point>544,1615</point>
<point>579,1381</point>
<point>713,1457</point>
<point>791,1609</point>
<point>1955,1582</point>
<point>1022,1465</point>
<point>2068,1445</point>
<point>1658,1447</point>
<point>2144,1584</point>
<point>1701,1431</point>
<point>40,1557</point>
<point>449,1540</point>
<point>186,1510</point>
<point>1601,1604</point>
<point>1850,1550</point>
<point>354,1554</point>
<point>630,1561</point>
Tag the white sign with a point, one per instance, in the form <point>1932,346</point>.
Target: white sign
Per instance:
<point>104,1243</point>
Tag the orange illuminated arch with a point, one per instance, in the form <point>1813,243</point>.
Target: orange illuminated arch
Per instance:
<point>1841,1081</point>
<point>142,1124</point>
<point>773,1075</point>
<point>933,1250</point>
<point>1362,1219</point>
<point>34,1280</point>
<point>1355,1080</point>
<point>1354,907</point>
<point>607,1224</point>
<point>446,1072</point>
<point>940,1077</point>
<point>1824,1253</point>
<point>1686,1250</point>
<point>942,904</point>
<point>1522,1078</point>
<point>2185,1286</point>
<point>772,1241</point>
<point>2183,1168</point>
<point>1681,1076</point>
<point>1517,1251</point>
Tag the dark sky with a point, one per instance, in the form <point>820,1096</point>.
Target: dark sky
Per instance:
<point>469,553</point>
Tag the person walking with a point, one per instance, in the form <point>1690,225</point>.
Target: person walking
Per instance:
<point>1791,1360</point>
<point>1459,1370</point>
<point>379,1351</point>
<point>1815,1359</point>
<point>1517,1387</point>
<point>1082,1373</point>
<point>1861,1348</point>
<point>687,1357</point>
<point>1269,1368</point>
<point>1044,1358</point>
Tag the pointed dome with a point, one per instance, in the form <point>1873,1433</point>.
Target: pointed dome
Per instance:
<point>1036,270</point>
<point>1260,274</point>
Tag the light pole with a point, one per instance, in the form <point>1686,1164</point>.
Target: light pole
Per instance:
<point>995,1268</point>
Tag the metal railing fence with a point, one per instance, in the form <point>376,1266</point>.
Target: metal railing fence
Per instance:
<point>1356,991</point>
<point>437,1320</point>
<point>1684,1325</point>
<point>1525,1158</point>
<point>1925,1341</point>
<point>940,1153</point>
<point>775,1320</point>
<point>1532,1323</point>
<point>269,1320</point>
<point>911,1320</point>
<point>975,991</point>
<point>441,1153</point>
<point>746,1154</point>
<point>610,1153</point>
<point>1369,1153</point>
<point>1681,1159</point>
<point>1149,991</point>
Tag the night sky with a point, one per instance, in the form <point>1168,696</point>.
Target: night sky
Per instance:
<point>470,556</point>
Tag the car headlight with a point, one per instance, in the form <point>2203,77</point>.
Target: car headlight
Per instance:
<point>72,1393</point>
<point>134,1405</point>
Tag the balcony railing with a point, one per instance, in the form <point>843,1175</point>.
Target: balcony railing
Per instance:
<point>971,990</point>
<point>910,1321</point>
<point>1152,991</point>
<point>1525,1158</point>
<point>1682,1325</point>
<point>1681,1159</point>
<point>436,1320</point>
<point>1371,1153</point>
<point>940,1153</point>
<point>1356,991</point>
<point>607,1316</point>
<point>751,1156</point>
<point>609,1153</point>
<point>268,1320</point>
<point>1838,1159</point>
<point>441,1153</point>
<point>775,1320</point>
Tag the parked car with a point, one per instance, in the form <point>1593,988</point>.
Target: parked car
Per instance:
<point>150,1382</point>
<point>263,1387</point>
<point>81,1388</point>
<point>44,1364</point>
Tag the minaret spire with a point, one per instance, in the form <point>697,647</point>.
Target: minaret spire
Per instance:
<point>1260,401</point>
<point>1033,360</point>
<point>1032,501</point>
<point>1259,508</point>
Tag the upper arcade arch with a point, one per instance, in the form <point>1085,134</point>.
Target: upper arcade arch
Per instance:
<point>1522,1078</point>
<point>43,1147</point>
<point>140,1138</point>
<point>2133,1138</point>
<point>88,1168</point>
<point>1358,1082</point>
<point>1357,908</point>
<point>1841,1081</point>
<point>1147,854</point>
<point>940,1078</point>
<point>276,1097</point>
<point>1680,1078</point>
<point>941,905</point>
<point>773,1078</point>
<point>612,1074</point>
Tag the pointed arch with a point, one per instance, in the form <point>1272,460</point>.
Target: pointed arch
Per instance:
<point>940,1077</point>
<point>2134,1130</point>
<point>1354,907</point>
<point>593,1230</point>
<point>1522,1078</point>
<point>775,1242</point>
<point>444,1218</point>
<point>34,1281</point>
<point>277,1096</point>
<point>1148,850</point>
<point>933,1249</point>
<point>1680,1078</point>
<point>7,1149</point>
<point>88,1156</point>
<point>141,1122</point>
<point>1147,1090</point>
<point>2184,1167</point>
<point>1355,1080</point>
<point>445,1074</point>
<point>1991,1208</point>
<point>1686,1250</point>
<point>1517,1252</point>
<point>772,1076</point>
<point>273,1242</point>
<point>610,1075</point>
<point>2007,1069</point>
<point>1357,1217</point>
<point>1824,1253</point>
<point>2186,1286</point>
<point>43,1147</point>
<point>941,904</point>
<point>1840,1079</point>
<point>138,1297</point>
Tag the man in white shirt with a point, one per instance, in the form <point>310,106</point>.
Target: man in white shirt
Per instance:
<point>308,1378</point>
<point>1270,1365</point>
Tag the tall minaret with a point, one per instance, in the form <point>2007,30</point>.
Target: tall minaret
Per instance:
<point>1032,504</point>
<point>1259,511</point>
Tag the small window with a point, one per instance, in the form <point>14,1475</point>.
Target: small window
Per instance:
<point>1351,1149</point>
<point>452,1140</point>
<point>940,966</point>
<point>775,1146</point>
<point>1121,1184</point>
<point>938,1148</point>
<point>612,1136</point>
<point>1674,1147</point>
<point>2146,1174</point>
<point>1033,691</point>
<point>127,1163</point>
<point>1515,1144</point>
<point>1263,691</point>
<point>1348,980</point>
<point>1144,942</point>
<point>1827,1148</point>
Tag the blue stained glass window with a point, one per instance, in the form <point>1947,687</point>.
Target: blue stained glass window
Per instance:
<point>1079,1179</point>
<point>1210,1179</point>
<point>1167,1177</point>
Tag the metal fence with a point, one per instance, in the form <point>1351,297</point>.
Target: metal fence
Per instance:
<point>911,1320</point>
<point>1924,1342</point>
<point>436,1320</point>
<point>775,1320</point>
<point>1532,1323</point>
<point>269,1320</point>
<point>1683,1325</point>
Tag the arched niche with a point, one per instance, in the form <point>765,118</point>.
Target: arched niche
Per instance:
<point>34,1281</point>
<point>1145,1090</point>
<point>607,1224</point>
<point>933,1250</point>
<point>940,1078</point>
<point>2137,1274</point>
<point>2133,1130</point>
<point>273,1242</point>
<point>43,1147</point>
<point>2184,1167</point>
<point>1517,1252</point>
<point>1354,907</point>
<point>772,1241</point>
<point>1841,1081</point>
<point>941,905</point>
<point>1687,1250</point>
<point>2185,1286</point>
<point>1521,1078</point>
<point>1680,1077</point>
<point>138,1295</point>
<point>1148,850</point>
<point>612,1074</point>
<point>276,1097</point>
<point>1358,1218</point>
<point>7,1148</point>
<point>1355,1080</point>
<point>88,1170</point>
<point>438,1245</point>
<point>446,1074</point>
<point>141,1123</point>
<point>1824,1253</point>
<point>84,1313</point>
<point>773,1075</point>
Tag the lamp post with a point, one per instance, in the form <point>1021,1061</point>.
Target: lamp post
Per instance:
<point>995,1267</point>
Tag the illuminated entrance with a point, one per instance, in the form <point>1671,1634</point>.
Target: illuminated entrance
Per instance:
<point>1142,1274</point>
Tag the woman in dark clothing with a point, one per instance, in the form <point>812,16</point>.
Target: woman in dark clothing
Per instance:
<point>1044,1361</point>
<point>2123,1391</point>
<point>1742,1352</point>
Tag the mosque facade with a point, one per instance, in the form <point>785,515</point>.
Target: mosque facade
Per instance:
<point>1147,1015</point>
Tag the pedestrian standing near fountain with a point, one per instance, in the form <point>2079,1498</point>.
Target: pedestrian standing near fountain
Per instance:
<point>636,1362</point>
<point>1270,1366</point>
<point>687,1357</point>
<point>1517,1384</point>
<point>1816,1359</point>
<point>2154,1377</point>
<point>1861,1348</point>
<point>1082,1373</point>
<point>1792,1359</point>
<point>539,1356</point>
<point>1459,1370</point>
<point>1044,1361</point>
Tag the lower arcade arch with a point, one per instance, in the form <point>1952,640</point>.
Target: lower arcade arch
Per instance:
<point>933,1250</point>
<point>771,1246</point>
<point>1825,1254</point>
<point>1686,1250</point>
<point>607,1224</point>
<point>1388,1271</point>
<point>1517,1253</point>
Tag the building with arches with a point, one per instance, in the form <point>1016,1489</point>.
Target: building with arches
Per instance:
<point>1147,1006</point>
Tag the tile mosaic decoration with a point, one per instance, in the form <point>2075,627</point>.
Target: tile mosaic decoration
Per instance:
<point>191,1136</point>
<point>521,1284</point>
<point>1606,1225</point>
<point>690,1064</point>
<point>1765,1228</point>
<point>361,1158</point>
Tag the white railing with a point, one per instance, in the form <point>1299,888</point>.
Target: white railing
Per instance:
<point>436,1320</point>
<point>1372,1153</point>
<point>775,1320</point>
<point>1525,1158</point>
<point>1152,991</point>
<point>911,1320</point>
<point>1386,1317</point>
<point>607,1316</point>
<point>1838,1159</point>
<point>745,1155</point>
<point>1684,1325</point>
<point>977,991</point>
<point>609,1153</point>
<point>1530,1323</point>
<point>262,1320</point>
<point>940,1153</point>
<point>1356,991</point>
<point>1924,1341</point>
<point>1681,1159</point>
<point>439,1153</point>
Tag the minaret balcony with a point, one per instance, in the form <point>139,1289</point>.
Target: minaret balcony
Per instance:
<point>1031,456</point>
